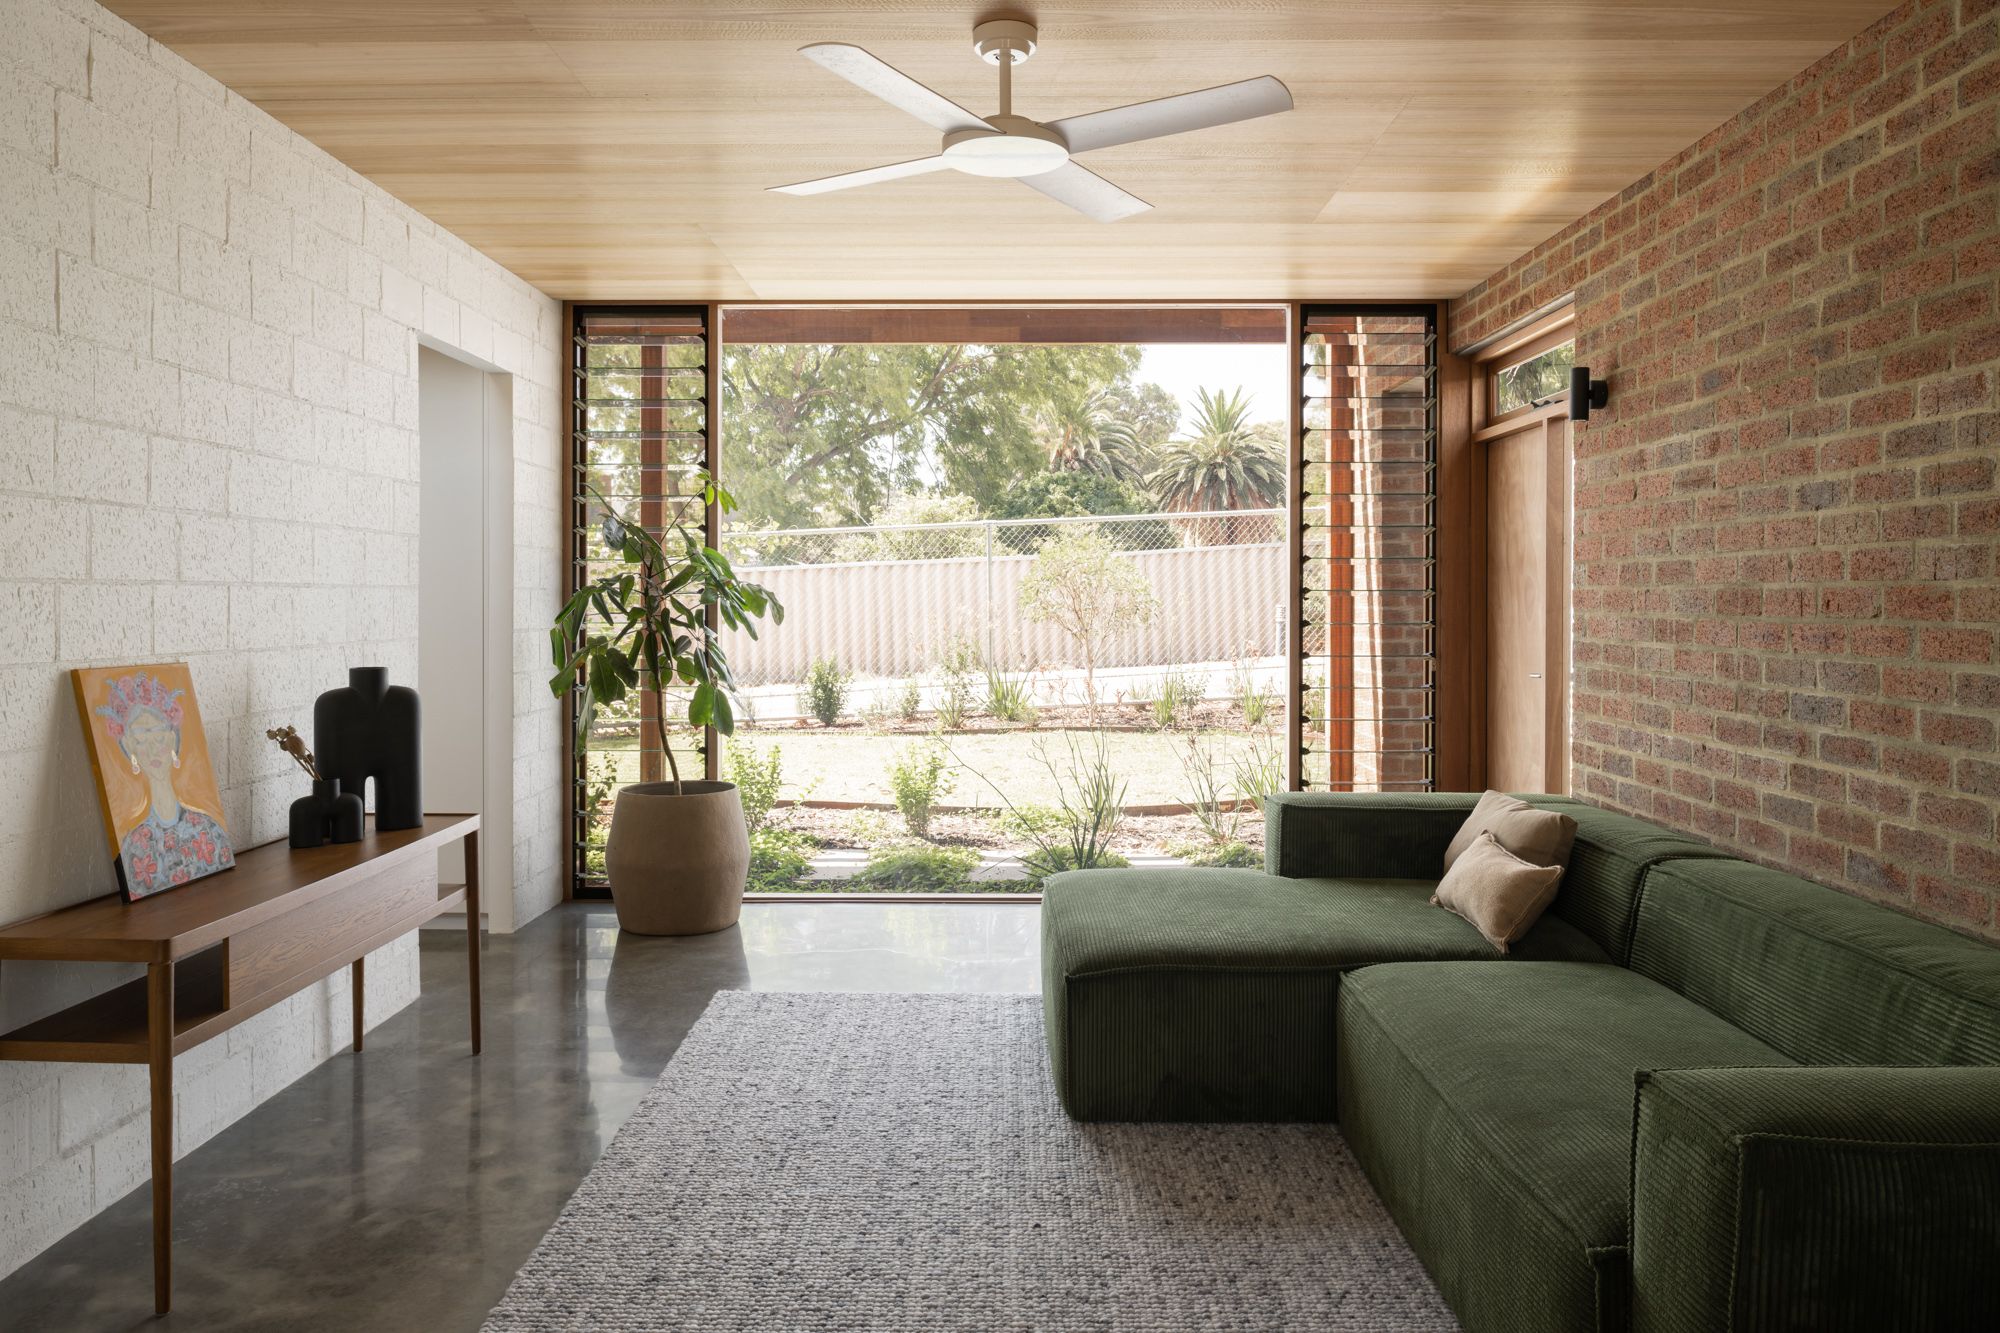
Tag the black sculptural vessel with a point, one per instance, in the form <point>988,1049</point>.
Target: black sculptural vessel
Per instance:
<point>328,815</point>
<point>370,729</point>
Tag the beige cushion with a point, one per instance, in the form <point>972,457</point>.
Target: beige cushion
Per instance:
<point>1539,837</point>
<point>1498,892</point>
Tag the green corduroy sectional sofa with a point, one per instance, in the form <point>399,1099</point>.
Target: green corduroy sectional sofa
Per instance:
<point>1699,1095</point>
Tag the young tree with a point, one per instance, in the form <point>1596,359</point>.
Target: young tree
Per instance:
<point>1081,584</point>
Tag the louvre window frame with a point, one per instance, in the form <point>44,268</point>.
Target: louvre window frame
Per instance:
<point>662,453</point>
<point>1341,694</point>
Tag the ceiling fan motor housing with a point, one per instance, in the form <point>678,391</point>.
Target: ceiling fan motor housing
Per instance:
<point>1015,146</point>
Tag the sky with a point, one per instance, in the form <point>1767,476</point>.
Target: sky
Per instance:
<point>1259,369</point>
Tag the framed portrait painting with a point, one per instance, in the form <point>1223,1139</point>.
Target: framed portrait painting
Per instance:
<point>155,784</point>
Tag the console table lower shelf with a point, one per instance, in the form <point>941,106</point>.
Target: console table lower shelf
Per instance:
<point>221,950</point>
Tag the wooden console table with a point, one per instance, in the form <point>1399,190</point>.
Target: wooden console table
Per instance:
<point>227,947</point>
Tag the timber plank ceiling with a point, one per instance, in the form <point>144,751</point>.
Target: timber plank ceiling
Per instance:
<point>607,149</point>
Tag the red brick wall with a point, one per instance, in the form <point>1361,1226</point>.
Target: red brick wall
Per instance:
<point>1787,632</point>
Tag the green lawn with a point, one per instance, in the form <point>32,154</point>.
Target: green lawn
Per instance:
<point>850,764</point>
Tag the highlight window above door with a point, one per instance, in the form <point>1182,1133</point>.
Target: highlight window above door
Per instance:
<point>1524,373</point>
<point>1534,381</point>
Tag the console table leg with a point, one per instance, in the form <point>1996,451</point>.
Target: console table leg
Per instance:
<point>358,985</point>
<point>472,929</point>
<point>160,1064</point>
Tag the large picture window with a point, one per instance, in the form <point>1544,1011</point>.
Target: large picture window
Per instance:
<point>1063,585</point>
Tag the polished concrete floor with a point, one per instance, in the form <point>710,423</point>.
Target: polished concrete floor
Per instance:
<point>401,1188</point>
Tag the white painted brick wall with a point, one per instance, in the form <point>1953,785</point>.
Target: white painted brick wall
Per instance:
<point>208,413</point>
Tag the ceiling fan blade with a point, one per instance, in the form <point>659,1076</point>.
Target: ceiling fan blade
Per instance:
<point>1087,192</point>
<point>848,180</point>
<point>893,86</point>
<point>1174,115</point>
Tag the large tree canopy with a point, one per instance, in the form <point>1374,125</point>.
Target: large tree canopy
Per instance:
<point>825,434</point>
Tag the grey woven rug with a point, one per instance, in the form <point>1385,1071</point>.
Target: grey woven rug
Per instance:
<point>900,1162</point>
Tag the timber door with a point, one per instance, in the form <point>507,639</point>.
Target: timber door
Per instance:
<point>1527,608</point>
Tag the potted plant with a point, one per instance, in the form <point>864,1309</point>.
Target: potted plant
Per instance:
<point>678,853</point>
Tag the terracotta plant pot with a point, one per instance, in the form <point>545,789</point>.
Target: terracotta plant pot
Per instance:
<point>677,864</point>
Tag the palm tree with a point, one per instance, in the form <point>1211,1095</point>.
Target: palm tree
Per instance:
<point>1084,432</point>
<point>1223,463</point>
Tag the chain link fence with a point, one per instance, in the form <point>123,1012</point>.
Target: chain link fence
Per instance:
<point>892,602</point>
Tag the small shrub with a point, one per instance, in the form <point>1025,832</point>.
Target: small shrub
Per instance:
<point>1255,701</point>
<point>826,690</point>
<point>1010,700</point>
<point>910,700</point>
<point>865,828</point>
<point>758,778</point>
<point>1259,773</point>
<point>780,860</point>
<point>902,868</point>
<point>1053,860</point>
<point>1227,855</point>
<point>918,776</point>
<point>1213,809</point>
<point>1090,801</point>
<point>955,698</point>
<point>1179,693</point>
<point>953,708</point>
<point>1031,823</point>
<point>1093,801</point>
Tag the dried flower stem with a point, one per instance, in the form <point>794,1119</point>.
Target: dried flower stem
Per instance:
<point>291,743</point>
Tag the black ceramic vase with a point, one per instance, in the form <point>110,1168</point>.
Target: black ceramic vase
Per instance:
<point>370,729</point>
<point>349,818</point>
<point>327,815</point>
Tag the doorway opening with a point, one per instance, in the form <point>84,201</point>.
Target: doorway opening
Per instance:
<point>464,558</point>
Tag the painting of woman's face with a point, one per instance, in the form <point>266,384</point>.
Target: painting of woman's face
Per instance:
<point>156,783</point>
<point>150,740</point>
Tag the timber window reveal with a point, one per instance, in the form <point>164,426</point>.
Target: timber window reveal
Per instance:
<point>640,419</point>
<point>1368,548</point>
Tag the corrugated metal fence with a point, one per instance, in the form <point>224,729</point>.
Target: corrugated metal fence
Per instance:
<point>892,601</point>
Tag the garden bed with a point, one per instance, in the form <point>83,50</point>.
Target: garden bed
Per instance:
<point>1136,835</point>
<point>1114,716</point>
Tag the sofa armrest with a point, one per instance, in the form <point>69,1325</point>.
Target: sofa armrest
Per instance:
<point>1831,1199</point>
<point>1361,835</point>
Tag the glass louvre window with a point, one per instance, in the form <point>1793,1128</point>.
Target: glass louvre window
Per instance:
<point>640,418</point>
<point>1535,381</point>
<point>1368,579</point>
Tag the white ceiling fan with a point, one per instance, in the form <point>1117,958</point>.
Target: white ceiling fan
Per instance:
<point>1041,156</point>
